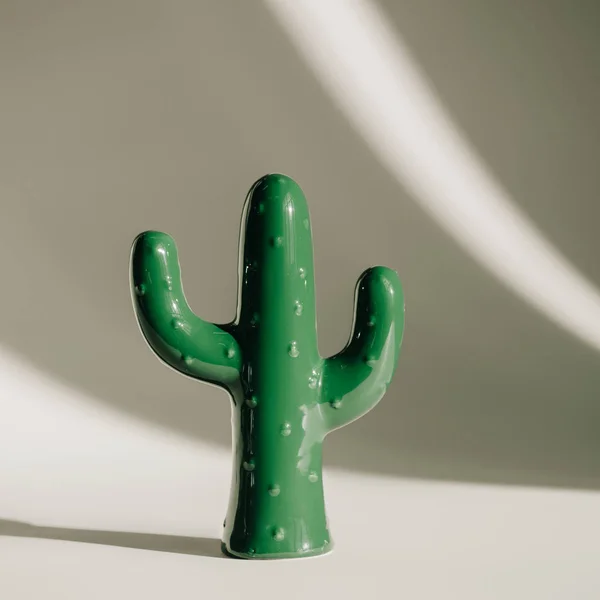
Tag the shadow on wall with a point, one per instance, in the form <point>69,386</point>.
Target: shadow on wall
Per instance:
<point>141,127</point>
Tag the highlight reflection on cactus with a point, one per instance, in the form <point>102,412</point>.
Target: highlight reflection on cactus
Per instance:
<point>286,397</point>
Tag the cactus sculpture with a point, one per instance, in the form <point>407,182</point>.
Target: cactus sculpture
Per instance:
<point>285,397</point>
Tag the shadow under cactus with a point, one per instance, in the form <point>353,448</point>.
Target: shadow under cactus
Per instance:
<point>209,547</point>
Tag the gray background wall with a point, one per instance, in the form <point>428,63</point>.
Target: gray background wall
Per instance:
<point>120,116</point>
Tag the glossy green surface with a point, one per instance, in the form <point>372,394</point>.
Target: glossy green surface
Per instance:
<point>286,398</point>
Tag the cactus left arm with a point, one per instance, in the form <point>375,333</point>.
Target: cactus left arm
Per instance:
<point>181,339</point>
<point>356,379</point>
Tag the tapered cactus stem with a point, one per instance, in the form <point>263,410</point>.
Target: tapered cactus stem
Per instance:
<point>181,339</point>
<point>356,379</point>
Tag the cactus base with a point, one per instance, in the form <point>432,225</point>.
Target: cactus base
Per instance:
<point>311,553</point>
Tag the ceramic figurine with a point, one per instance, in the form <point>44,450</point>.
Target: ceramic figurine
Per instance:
<point>285,397</point>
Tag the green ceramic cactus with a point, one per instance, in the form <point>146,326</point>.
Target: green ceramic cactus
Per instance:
<point>285,397</point>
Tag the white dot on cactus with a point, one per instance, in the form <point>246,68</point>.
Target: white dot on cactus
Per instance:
<point>255,318</point>
<point>278,534</point>
<point>274,490</point>
<point>251,550</point>
<point>140,290</point>
<point>286,429</point>
<point>169,283</point>
<point>371,321</point>
<point>261,207</point>
<point>278,241</point>
<point>249,465</point>
<point>312,382</point>
<point>305,546</point>
<point>336,403</point>
<point>370,360</point>
<point>188,360</point>
<point>312,477</point>
<point>252,401</point>
<point>293,350</point>
<point>298,308</point>
<point>302,272</point>
<point>306,223</point>
<point>177,324</point>
<point>230,353</point>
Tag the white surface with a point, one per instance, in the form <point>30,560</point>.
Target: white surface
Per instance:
<point>69,464</point>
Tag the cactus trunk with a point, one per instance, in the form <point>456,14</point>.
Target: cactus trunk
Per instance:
<point>278,491</point>
<point>285,396</point>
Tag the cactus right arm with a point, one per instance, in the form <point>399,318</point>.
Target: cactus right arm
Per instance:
<point>181,339</point>
<point>357,378</point>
